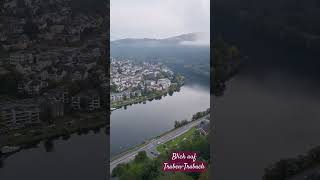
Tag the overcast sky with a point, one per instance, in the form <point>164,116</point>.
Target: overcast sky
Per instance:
<point>158,18</point>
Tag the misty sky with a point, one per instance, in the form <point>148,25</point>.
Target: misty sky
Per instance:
<point>158,18</point>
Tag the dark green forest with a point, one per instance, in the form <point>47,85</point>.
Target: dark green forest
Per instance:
<point>292,23</point>
<point>225,65</point>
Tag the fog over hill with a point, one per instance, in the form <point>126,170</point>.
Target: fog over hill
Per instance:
<point>193,39</point>
<point>188,54</point>
<point>158,18</point>
<point>291,23</point>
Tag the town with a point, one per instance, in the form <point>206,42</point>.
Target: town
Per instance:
<point>130,79</point>
<point>49,67</point>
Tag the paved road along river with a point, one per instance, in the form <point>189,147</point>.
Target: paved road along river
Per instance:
<point>151,146</point>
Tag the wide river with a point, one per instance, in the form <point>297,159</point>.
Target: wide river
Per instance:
<point>80,157</point>
<point>140,122</point>
<point>84,157</point>
<point>269,111</point>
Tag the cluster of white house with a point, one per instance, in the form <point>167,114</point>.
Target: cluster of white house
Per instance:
<point>204,127</point>
<point>52,104</point>
<point>91,99</point>
<point>57,53</point>
<point>54,66</point>
<point>60,30</point>
<point>18,114</point>
<point>124,95</point>
<point>126,76</point>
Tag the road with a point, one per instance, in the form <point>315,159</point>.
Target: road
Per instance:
<point>151,146</point>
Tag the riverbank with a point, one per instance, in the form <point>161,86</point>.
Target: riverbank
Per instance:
<point>146,142</point>
<point>62,127</point>
<point>304,165</point>
<point>135,148</point>
<point>186,134</point>
<point>154,95</point>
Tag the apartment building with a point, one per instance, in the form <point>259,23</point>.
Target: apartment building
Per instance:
<point>19,114</point>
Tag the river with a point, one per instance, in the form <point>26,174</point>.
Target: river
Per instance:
<point>141,122</point>
<point>80,157</point>
<point>85,156</point>
<point>269,111</point>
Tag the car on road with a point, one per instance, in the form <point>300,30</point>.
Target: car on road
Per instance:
<point>154,153</point>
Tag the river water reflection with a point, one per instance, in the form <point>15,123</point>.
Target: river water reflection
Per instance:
<point>140,122</point>
<point>84,156</point>
<point>80,157</point>
<point>269,111</point>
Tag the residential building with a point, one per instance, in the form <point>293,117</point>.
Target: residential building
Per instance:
<point>19,114</point>
<point>75,102</point>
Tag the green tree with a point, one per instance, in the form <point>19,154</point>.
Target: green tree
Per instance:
<point>9,83</point>
<point>113,88</point>
<point>119,170</point>
<point>233,52</point>
<point>205,175</point>
<point>73,88</point>
<point>30,29</point>
<point>141,157</point>
<point>175,176</point>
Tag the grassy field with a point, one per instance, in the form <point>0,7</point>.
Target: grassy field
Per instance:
<point>173,143</point>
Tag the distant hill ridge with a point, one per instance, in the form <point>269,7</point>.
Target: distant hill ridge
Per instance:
<point>175,40</point>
